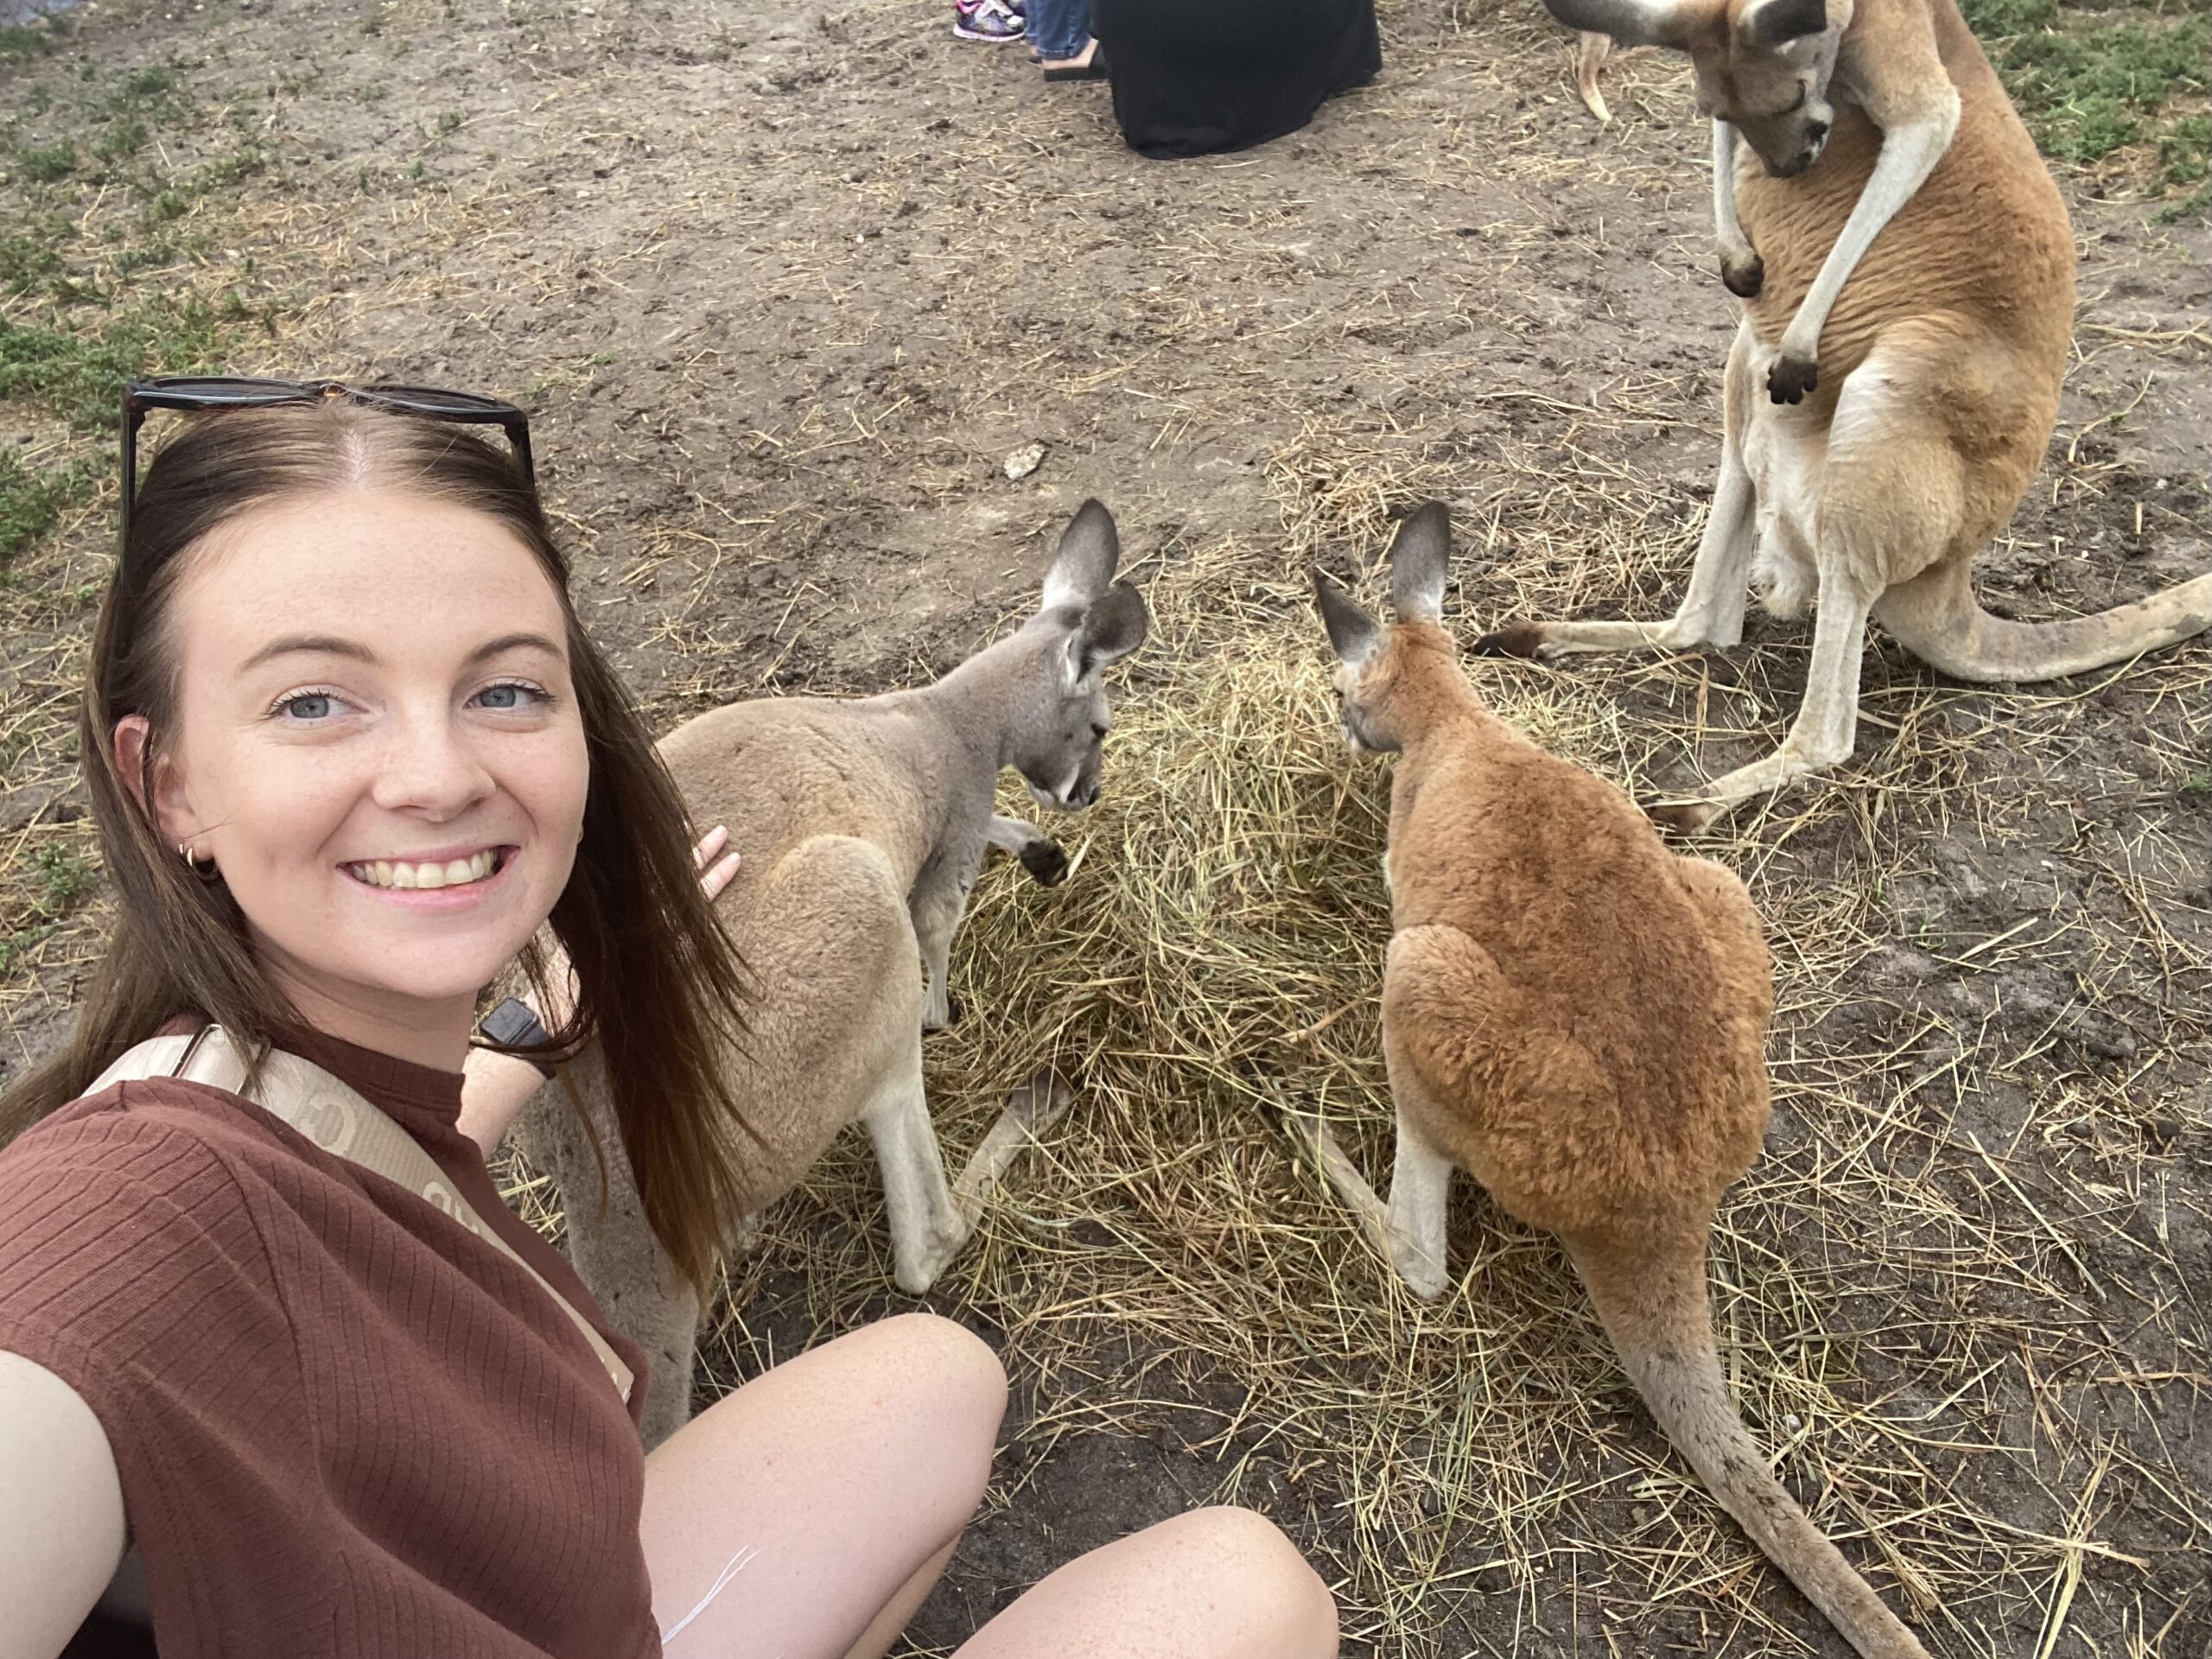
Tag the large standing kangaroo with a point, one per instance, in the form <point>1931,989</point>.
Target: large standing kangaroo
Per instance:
<point>1907,273</point>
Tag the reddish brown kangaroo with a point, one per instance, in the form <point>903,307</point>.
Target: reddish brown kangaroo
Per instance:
<point>1577,1017</point>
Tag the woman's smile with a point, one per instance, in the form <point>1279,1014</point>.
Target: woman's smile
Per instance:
<point>457,878</point>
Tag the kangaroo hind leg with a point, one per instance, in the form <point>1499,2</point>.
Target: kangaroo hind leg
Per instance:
<point>1409,1230</point>
<point>1894,498</point>
<point>927,1227</point>
<point>610,1243</point>
<point>1712,611</point>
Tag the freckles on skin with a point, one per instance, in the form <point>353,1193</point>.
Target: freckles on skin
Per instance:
<point>371,677</point>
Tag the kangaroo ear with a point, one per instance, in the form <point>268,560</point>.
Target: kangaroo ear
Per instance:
<point>1351,630</point>
<point>1630,22</point>
<point>1770,22</point>
<point>1112,628</point>
<point>1089,549</point>
<point>1419,558</point>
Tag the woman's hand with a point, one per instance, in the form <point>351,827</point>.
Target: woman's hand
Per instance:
<point>495,1085</point>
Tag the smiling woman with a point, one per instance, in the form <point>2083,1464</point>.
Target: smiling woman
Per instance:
<point>337,635</point>
<point>349,750</point>
<point>392,796</point>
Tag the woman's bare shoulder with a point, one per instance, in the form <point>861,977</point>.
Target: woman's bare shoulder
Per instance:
<point>62,1518</point>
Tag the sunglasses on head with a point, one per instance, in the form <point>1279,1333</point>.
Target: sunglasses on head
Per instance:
<point>192,394</point>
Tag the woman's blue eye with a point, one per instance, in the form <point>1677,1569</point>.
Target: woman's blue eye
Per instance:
<point>509,697</point>
<point>309,705</point>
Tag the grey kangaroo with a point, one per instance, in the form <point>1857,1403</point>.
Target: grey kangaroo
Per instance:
<point>862,826</point>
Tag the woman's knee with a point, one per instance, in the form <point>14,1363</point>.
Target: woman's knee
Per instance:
<point>966,1391</point>
<point>952,1393</point>
<point>955,1364</point>
<point>1281,1604</point>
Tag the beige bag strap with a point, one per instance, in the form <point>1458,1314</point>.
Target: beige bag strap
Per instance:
<point>344,1123</point>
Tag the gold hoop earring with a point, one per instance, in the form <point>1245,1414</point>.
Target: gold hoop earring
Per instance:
<point>205,872</point>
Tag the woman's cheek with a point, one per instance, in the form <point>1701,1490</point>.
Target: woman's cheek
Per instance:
<point>555,790</point>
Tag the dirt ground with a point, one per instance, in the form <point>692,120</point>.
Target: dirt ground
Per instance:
<point>785,284</point>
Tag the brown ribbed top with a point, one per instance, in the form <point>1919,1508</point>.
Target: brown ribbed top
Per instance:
<point>345,1424</point>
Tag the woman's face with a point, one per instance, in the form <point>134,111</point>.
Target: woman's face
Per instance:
<point>378,743</point>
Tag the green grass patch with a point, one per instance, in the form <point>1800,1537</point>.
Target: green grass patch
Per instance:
<point>27,261</point>
<point>20,42</point>
<point>63,877</point>
<point>79,371</point>
<point>33,499</point>
<point>2088,83</point>
<point>44,164</point>
<point>60,877</point>
<point>14,947</point>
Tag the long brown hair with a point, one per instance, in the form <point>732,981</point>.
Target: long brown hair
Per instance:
<point>659,983</point>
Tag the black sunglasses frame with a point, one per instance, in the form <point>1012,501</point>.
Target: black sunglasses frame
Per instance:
<point>202,394</point>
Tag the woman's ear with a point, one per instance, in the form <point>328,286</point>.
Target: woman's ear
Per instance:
<point>169,810</point>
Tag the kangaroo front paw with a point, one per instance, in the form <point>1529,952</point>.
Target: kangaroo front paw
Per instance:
<point>941,1015</point>
<point>1514,639</point>
<point>1743,275</point>
<point>1791,378</point>
<point>1047,864</point>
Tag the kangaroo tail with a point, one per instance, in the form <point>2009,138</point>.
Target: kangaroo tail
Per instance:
<point>1937,618</point>
<point>1653,1302</point>
<point>1590,52</point>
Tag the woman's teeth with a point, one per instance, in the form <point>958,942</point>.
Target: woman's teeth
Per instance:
<point>398,873</point>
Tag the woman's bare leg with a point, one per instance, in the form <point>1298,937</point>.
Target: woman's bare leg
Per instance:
<point>808,1514</point>
<point>1214,1584</point>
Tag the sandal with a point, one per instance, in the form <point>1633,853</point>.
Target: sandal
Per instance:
<point>1093,70</point>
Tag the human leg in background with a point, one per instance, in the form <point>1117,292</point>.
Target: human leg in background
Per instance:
<point>1060,30</point>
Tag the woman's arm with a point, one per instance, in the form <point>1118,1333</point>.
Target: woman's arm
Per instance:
<point>495,1086</point>
<point>61,1526</point>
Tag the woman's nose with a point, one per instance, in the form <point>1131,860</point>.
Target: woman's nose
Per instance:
<point>431,768</point>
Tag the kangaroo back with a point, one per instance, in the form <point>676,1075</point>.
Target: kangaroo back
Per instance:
<point>1651,1295</point>
<point>826,929</point>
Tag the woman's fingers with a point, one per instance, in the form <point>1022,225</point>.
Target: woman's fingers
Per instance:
<point>720,876</point>
<point>715,875</point>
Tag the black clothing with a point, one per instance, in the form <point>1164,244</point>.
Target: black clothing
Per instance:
<point>1198,77</point>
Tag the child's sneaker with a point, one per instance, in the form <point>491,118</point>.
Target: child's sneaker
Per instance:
<point>994,21</point>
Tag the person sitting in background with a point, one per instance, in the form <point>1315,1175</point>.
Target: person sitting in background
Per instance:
<point>1198,77</point>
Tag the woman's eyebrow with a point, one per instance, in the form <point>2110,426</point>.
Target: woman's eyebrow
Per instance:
<point>319,644</point>
<point>506,642</point>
